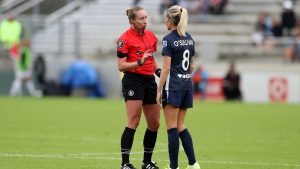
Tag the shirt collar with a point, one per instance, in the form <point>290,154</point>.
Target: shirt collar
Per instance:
<point>132,31</point>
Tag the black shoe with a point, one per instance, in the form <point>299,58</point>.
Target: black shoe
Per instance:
<point>151,165</point>
<point>127,166</point>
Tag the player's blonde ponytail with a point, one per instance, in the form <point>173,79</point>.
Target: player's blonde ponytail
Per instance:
<point>181,27</point>
<point>179,17</point>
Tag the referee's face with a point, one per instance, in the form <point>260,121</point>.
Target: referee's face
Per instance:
<point>140,21</point>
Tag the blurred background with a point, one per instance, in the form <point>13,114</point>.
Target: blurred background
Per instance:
<point>246,50</point>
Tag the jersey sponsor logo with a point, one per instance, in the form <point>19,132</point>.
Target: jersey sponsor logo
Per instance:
<point>120,44</point>
<point>184,76</point>
<point>165,43</point>
<point>130,92</point>
<point>183,42</point>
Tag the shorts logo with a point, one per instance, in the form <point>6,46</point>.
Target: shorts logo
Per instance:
<point>130,92</point>
<point>120,44</point>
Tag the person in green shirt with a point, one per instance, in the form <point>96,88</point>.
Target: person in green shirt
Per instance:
<point>23,72</point>
<point>10,31</point>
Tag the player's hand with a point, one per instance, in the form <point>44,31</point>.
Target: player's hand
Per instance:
<point>158,97</point>
<point>146,55</point>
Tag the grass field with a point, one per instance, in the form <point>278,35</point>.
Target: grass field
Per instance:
<point>64,133</point>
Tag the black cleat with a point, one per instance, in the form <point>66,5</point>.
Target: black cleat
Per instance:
<point>151,165</point>
<point>127,166</point>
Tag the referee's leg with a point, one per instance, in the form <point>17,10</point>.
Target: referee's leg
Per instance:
<point>152,115</point>
<point>134,111</point>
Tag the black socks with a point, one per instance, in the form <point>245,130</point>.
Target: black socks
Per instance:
<point>126,144</point>
<point>149,144</point>
<point>173,140</point>
<point>188,147</point>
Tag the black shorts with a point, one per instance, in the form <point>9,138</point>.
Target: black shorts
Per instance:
<point>182,99</point>
<point>139,87</point>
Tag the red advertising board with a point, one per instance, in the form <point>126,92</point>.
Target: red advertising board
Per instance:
<point>278,89</point>
<point>214,90</point>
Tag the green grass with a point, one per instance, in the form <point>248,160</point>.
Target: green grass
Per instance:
<point>66,133</point>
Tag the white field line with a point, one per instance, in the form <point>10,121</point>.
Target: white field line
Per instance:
<point>87,139</point>
<point>87,156</point>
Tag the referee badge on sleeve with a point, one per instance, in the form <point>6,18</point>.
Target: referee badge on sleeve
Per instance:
<point>120,44</point>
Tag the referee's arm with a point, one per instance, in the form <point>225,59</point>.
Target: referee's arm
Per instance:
<point>125,66</point>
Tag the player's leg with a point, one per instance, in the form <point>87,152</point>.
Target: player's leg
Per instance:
<point>16,87</point>
<point>152,116</point>
<point>171,115</point>
<point>184,134</point>
<point>185,137</point>
<point>30,85</point>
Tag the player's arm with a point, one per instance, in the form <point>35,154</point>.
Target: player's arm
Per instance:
<point>164,72</point>
<point>192,65</point>
<point>163,76</point>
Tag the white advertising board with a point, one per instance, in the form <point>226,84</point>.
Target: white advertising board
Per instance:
<point>270,87</point>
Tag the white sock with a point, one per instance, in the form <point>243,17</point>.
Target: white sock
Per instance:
<point>16,87</point>
<point>32,90</point>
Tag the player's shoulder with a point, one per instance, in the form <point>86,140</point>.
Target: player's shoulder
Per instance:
<point>169,36</point>
<point>189,36</point>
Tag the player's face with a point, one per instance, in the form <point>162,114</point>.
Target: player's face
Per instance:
<point>140,21</point>
<point>168,23</point>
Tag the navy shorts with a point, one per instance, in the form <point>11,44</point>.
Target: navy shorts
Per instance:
<point>179,98</point>
<point>139,87</point>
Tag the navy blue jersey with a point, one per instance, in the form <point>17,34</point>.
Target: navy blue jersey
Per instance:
<point>181,49</point>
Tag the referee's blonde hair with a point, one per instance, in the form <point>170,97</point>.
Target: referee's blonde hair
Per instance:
<point>131,13</point>
<point>179,17</point>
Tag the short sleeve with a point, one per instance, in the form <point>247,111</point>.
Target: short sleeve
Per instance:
<point>167,48</point>
<point>122,48</point>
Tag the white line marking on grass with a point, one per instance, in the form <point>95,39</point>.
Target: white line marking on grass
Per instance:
<point>87,156</point>
<point>86,139</point>
<point>101,154</point>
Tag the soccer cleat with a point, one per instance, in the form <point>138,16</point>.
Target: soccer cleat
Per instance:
<point>151,165</point>
<point>127,166</point>
<point>168,167</point>
<point>195,166</point>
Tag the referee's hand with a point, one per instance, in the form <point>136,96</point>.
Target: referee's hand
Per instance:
<point>146,55</point>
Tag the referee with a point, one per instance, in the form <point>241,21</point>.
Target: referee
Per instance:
<point>135,49</point>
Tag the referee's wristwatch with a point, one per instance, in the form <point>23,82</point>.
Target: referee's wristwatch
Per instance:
<point>139,62</point>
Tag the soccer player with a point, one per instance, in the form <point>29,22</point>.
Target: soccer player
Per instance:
<point>23,72</point>
<point>135,49</point>
<point>175,85</point>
